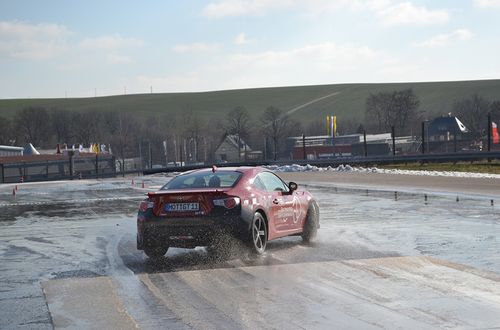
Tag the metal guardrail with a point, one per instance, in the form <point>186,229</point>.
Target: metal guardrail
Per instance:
<point>351,160</point>
<point>357,160</point>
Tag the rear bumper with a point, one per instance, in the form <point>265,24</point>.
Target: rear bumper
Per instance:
<point>188,232</point>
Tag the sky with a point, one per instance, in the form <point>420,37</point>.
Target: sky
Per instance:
<point>60,48</point>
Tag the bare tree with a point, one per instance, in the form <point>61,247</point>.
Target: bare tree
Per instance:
<point>238,123</point>
<point>5,131</point>
<point>33,124</point>
<point>214,133</point>
<point>191,131</point>
<point>405,106</point>
<point>316,127</point>
<point>398,109</point>
<point>110,122</point>
<point>274,123</point>
<point>347,126</point>
<point>87,128</point>
<point>122,125</point>
<point>473,111</point>
<point>62,127</point>
<point>495,110</point>
<point>376,108</point>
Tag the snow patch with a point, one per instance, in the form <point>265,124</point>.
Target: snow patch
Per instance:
<point>349,168</point>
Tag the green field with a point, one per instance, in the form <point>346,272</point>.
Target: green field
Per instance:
<point>348,103</point>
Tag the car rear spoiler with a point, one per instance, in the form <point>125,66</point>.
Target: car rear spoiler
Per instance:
<point>186,191</point>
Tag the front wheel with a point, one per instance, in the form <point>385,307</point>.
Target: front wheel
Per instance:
<point>259,234</point>
<point>155,252</point>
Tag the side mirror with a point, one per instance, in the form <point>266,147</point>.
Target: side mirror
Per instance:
<point>292,186</point>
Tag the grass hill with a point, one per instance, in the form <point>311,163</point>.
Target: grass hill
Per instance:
<point>308,103</point>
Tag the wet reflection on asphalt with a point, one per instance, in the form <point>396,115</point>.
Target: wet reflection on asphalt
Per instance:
<point>77,229</point>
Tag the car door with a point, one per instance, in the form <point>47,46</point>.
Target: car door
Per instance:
<point>281,209</point>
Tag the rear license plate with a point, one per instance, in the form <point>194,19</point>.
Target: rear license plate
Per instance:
<point>182,207</point>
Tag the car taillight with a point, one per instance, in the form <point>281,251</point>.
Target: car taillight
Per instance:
<point>145,205</point>
<point>228,203</point>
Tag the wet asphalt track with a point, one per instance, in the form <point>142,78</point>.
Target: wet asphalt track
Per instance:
<point>59,241</point>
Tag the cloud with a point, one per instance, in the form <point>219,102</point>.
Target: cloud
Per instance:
<point>110,42</point>
<point>311,64</point>
<point>322,7</point>
<point>315,59</point>
<point>32,41</point>
<point>487,3</point>
<point>231,8</point>
<point>197,47</point>
<point>118,59</point>
<point>225,8</point>
<point>445,39</point>
<point>389,12</point>
<point>21,30</point>
<point>408,14</point>
<point>42,41</point>
<point>241,39</point>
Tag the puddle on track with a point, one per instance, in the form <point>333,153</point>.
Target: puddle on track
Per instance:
<point>460,229</point>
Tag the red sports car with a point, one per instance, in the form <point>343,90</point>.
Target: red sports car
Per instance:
<point>251,203</point>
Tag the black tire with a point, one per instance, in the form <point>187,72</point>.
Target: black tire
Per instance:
<point>155,252</point>
<point>258,234</point>
<point>312,223</point>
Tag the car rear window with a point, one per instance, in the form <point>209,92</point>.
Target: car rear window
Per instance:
<point>219,179</point>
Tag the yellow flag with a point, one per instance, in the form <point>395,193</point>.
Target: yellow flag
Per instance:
<point>334,125</point>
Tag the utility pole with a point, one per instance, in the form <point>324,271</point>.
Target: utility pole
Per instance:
<point>393,141</point>
<point>489,132</point>
<point>150,155</point>
<point>205,149</point>
<point>165,151</point>
<point>175,152</point>
<point>185,151</point>
<point>265,147</point>
<point>140,157</point>
<point>304,146</point>
<point>180,152</point>
<point>423,137</point>
<point>454,138</point>
<point>364,143</point>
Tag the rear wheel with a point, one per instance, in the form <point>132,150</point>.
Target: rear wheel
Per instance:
<point>259,234</point>
<point>155,252</point>
<point>311,226</point>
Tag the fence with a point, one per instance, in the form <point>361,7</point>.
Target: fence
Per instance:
<point>68,167</point>
<point>443,135</point>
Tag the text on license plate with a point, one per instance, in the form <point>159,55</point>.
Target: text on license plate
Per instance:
<point>182,207</point>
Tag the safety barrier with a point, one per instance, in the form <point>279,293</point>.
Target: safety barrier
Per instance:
<point>71,167</point>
